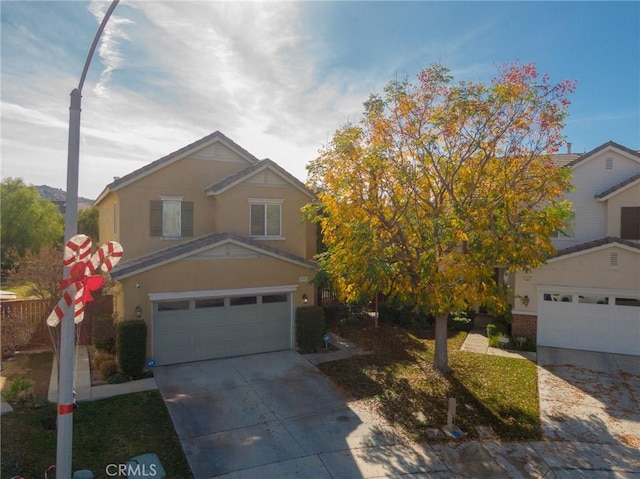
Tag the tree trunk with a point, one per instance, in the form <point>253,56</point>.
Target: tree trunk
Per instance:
<point>441,359</point>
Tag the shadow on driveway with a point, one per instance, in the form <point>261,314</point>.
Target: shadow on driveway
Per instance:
<point>276,415</point>
<point>589,396</point>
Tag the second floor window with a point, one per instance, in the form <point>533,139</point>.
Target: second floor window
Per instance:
<point>568,230</point>
<point>266,218</point>
<point>171,217</point>
<point>630,222</point>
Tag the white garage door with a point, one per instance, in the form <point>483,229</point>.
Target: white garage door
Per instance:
<point>595,320</point>
<point>220,326</point>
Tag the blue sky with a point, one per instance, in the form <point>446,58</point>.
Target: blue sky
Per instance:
<point>280,77</point>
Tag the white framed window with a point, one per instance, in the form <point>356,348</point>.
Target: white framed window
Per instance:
<point>568,230</point>
<point>265,218</point>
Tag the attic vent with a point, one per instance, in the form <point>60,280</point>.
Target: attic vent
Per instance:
<point>608,164</point>
<point>613,259</point>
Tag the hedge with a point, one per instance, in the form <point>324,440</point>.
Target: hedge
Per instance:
<point>131,347</point>
<point>310,326</point>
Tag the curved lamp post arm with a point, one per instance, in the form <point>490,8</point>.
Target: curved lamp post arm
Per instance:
<point>67,326</point>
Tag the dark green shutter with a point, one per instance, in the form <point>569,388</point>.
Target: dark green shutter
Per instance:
<point>155,217</point>
<point>187,218</point>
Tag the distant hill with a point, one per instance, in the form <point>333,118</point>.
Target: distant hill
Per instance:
<point>59,197</point>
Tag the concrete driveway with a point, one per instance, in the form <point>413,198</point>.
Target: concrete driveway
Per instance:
<point>589,397</point>
<point>276,415</point>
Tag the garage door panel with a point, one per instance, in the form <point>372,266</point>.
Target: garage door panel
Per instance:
<point>215,332</point>
<point>590,326</point>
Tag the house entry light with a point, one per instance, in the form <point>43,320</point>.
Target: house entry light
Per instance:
<point>138,312</point>
<point>305,298</point>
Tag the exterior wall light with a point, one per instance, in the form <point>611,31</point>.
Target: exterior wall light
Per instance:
<point>305,298</point>
<point>138,312</point>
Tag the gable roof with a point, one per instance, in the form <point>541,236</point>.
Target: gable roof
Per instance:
<point>609,144</point>
<point>242,175</point>
<point>191,148</point>
<point>619,188</point>
<point>190,248</point>
<point>594,245</point>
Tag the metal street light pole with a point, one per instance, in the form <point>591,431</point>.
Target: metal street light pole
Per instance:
<point>67,326</point>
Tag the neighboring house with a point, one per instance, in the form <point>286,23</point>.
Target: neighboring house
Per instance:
<point>216,253</point>
<point>587,296</point>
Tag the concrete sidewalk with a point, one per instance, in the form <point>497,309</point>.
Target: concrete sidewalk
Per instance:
<point>83,388</point>
<point>477,342</point>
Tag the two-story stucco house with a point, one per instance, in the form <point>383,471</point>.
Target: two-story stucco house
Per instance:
<point>216,254</point>
<point>587,296</point>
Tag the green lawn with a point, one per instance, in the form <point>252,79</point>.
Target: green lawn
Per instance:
<point>399,379</point>
<point>109,431</point>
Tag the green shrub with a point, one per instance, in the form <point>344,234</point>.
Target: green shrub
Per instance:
<point>108,368</point>
<point>492,330</point>
<point>103,334</point>
<point>19,385</point>
<point>131,347</point>
<point>460,321</point>
<point>494,341</point>
<point>403,314</point>
<point>310,326</point>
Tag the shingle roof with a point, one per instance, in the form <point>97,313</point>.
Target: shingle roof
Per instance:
<point>188,248</point>
<point>594,244</point>
<point>602,147</point>
<point>175,155</point>
<point>620,185</point>
<point>247,172</point>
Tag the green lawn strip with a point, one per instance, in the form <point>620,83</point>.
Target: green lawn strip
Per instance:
<point>400,381</point>
<point>109,431</point>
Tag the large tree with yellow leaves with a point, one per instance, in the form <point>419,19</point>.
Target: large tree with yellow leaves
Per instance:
<point>440,183</point>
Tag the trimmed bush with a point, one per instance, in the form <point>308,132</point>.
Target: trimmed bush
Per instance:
<point>131,347</point>
<point>460,321</point>
<point>310,326</point>
<point>108,368</point>
<point>103,334</point>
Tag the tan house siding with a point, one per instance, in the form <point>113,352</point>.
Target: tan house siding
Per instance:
<point>187,179</point>
<point>109,219</point>
<point>210,275</point>
<point>628,197</point>
<point>232,212</point>
<point>579,271</point>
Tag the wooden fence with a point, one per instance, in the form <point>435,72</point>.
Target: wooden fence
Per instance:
<point>30,315</point>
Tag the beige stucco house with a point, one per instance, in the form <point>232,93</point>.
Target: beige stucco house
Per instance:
<point>587,296</point>
<point>216,253</point>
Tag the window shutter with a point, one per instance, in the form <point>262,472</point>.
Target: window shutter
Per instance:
<point>155,218</point>
<point>187,218</point>
<point>630,222</point>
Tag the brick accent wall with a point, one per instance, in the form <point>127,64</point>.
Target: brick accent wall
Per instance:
<point>525,325</point>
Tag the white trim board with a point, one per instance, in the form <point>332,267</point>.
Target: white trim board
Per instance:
<point>213,293</point>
